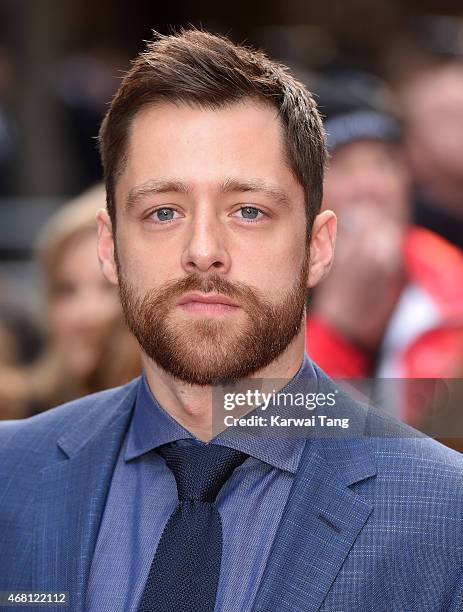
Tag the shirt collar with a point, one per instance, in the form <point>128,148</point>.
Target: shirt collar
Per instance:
<point>151,426</point>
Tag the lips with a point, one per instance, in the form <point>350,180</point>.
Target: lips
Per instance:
<point>207,298</point>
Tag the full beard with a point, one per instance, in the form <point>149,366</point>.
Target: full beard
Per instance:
<point>208,351</point>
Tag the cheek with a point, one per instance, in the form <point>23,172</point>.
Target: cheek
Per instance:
<point>63,316</point>
<point>143,255</point>
<point>272,269</point>
<point>146,269</point>
<point>102,308</point>
<point>112,305</point>
<point>337,193</point>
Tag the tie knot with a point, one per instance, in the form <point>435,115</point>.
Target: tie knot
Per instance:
<point>200,471</point>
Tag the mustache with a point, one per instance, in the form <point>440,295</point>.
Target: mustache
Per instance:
<point>210,284</point>
<point>172,290</point>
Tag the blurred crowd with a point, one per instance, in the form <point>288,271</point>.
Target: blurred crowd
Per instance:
<point>392,306</point>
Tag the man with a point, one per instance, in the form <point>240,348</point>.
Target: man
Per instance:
<point>392,304</point>
<point>141,497</point>
<point>432,106</point>
<point>366,185</point>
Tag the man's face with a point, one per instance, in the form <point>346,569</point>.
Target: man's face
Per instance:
<point>369,176</point>
<point>207,207</point>
<point>434,125</point>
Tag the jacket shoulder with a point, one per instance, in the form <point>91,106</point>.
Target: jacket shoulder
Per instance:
<point>422,461</point>
<point>403,456</point>
<point>18,433</point>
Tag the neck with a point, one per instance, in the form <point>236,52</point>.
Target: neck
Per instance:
<point>191,405</point>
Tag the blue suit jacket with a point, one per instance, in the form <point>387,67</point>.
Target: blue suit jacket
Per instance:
<point>374,521</point>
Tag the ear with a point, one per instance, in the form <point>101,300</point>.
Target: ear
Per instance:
<point>322,246</point>
<point>106,246</point>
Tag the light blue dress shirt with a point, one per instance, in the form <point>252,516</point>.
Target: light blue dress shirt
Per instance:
<point>143,495</point>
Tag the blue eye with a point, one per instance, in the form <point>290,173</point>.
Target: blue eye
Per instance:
<point>250,213</point>
<point>164,214</point>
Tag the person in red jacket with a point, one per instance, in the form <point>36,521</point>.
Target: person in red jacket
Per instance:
<point>392,306</point>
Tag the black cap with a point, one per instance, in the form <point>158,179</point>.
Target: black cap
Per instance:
<point>361,125</point>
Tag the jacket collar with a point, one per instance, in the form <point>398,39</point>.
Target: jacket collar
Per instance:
<point>100,415</point>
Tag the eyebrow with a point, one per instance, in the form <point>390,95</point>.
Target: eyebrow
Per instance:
<point>231,185</point>
<point>154,187</point>
<point>274,192</point>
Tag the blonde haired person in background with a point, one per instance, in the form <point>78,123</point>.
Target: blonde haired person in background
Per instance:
<point>88,347</point>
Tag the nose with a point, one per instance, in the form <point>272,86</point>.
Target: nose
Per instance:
<point>205,250</point>
<point>371,184</point>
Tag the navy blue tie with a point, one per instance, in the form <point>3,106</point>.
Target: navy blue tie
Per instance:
<point>185,571</point>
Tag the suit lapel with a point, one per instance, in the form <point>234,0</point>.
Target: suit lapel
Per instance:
<point>322,518</point>
<point>71,498</point>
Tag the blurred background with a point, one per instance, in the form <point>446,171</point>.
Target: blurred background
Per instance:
<point>388,77</point>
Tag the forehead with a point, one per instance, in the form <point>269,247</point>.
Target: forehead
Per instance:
<point>433,91</point>
<point>204,145</point>
<point>367,147</point>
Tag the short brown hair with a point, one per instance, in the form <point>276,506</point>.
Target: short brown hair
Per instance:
<point>203,69</point>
